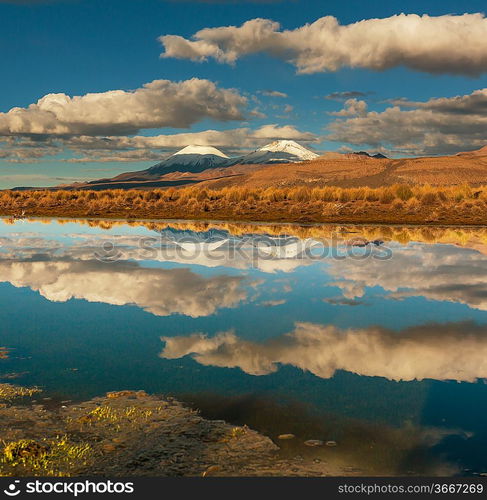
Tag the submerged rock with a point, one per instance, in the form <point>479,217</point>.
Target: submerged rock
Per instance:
<point>313,442</point>
<point>286,437</point>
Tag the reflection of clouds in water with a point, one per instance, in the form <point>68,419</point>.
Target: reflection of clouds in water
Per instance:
<point>437,272</point>
<point>343,301</point>
<point>159,291</point>
<point>26,242</point>
<point>273,303</point>
<point>283,255</point>
<point>440,272</point>
<point>455,351</point>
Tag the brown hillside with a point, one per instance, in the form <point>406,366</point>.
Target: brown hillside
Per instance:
<point>342,170</point>
<point>363,171</point>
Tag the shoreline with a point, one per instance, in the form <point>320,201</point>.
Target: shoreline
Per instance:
<point>210,221</point>
<point>398,204</point>
<point>419,220</point>
<point>132,433</point>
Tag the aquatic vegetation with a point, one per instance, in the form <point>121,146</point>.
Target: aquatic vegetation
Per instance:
<point>46,457</point>
<point>23,450</point>
<point>109,414</point>
<point>152,436</point>
<point>10,391</point>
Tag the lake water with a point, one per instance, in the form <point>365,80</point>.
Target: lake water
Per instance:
<point>375,338</point>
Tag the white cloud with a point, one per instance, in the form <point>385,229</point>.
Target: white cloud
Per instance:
<point>437,126</point>
<point>24,150</point>
<point>353,107</point>
<point>160,103</point>
<point>273,93</point>
<point>444,44</point>
<point>456,351</point>
<point>147,148</point>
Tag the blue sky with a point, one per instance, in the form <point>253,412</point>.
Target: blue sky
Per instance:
<point>79,47</point>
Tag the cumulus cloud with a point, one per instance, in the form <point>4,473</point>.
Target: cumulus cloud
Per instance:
<point>161,292</point>
<point>437,126</point>
<point>161,103</point>
<point>353,107</point>
<point>451,351</point>
<point>145,148</point>
<point>455,44</point>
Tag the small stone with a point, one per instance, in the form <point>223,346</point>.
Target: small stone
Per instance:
<point>331,443</point>
<point>285,437</point>
<point>313,442</point>
<point>109,448</point>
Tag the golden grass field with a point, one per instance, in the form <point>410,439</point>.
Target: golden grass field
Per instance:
<point>399,203</point>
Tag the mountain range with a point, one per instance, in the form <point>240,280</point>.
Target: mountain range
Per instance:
<point>195,159</point>
<point>287,163</point>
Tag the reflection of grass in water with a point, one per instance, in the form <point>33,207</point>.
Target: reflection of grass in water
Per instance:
<point>463,236</point>
<point>49,457</point>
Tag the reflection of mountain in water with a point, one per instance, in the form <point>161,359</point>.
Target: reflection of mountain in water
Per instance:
<point>55,268</point>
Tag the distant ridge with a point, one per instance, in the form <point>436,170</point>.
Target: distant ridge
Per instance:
<point>358,155</point>
<point>364,153</point>
<point>477,152</point>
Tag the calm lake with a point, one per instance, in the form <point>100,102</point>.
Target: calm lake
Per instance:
<point>373,337</point>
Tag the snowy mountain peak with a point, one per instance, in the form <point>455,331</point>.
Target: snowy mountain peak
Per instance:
<point>200,150</point>
<point>191,159</point>
<point>291,148</point>
<point>196,158</point>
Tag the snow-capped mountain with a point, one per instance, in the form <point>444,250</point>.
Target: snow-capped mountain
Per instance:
<point>278,152</point>
<point>191,159</point>
<point>198,158</point>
